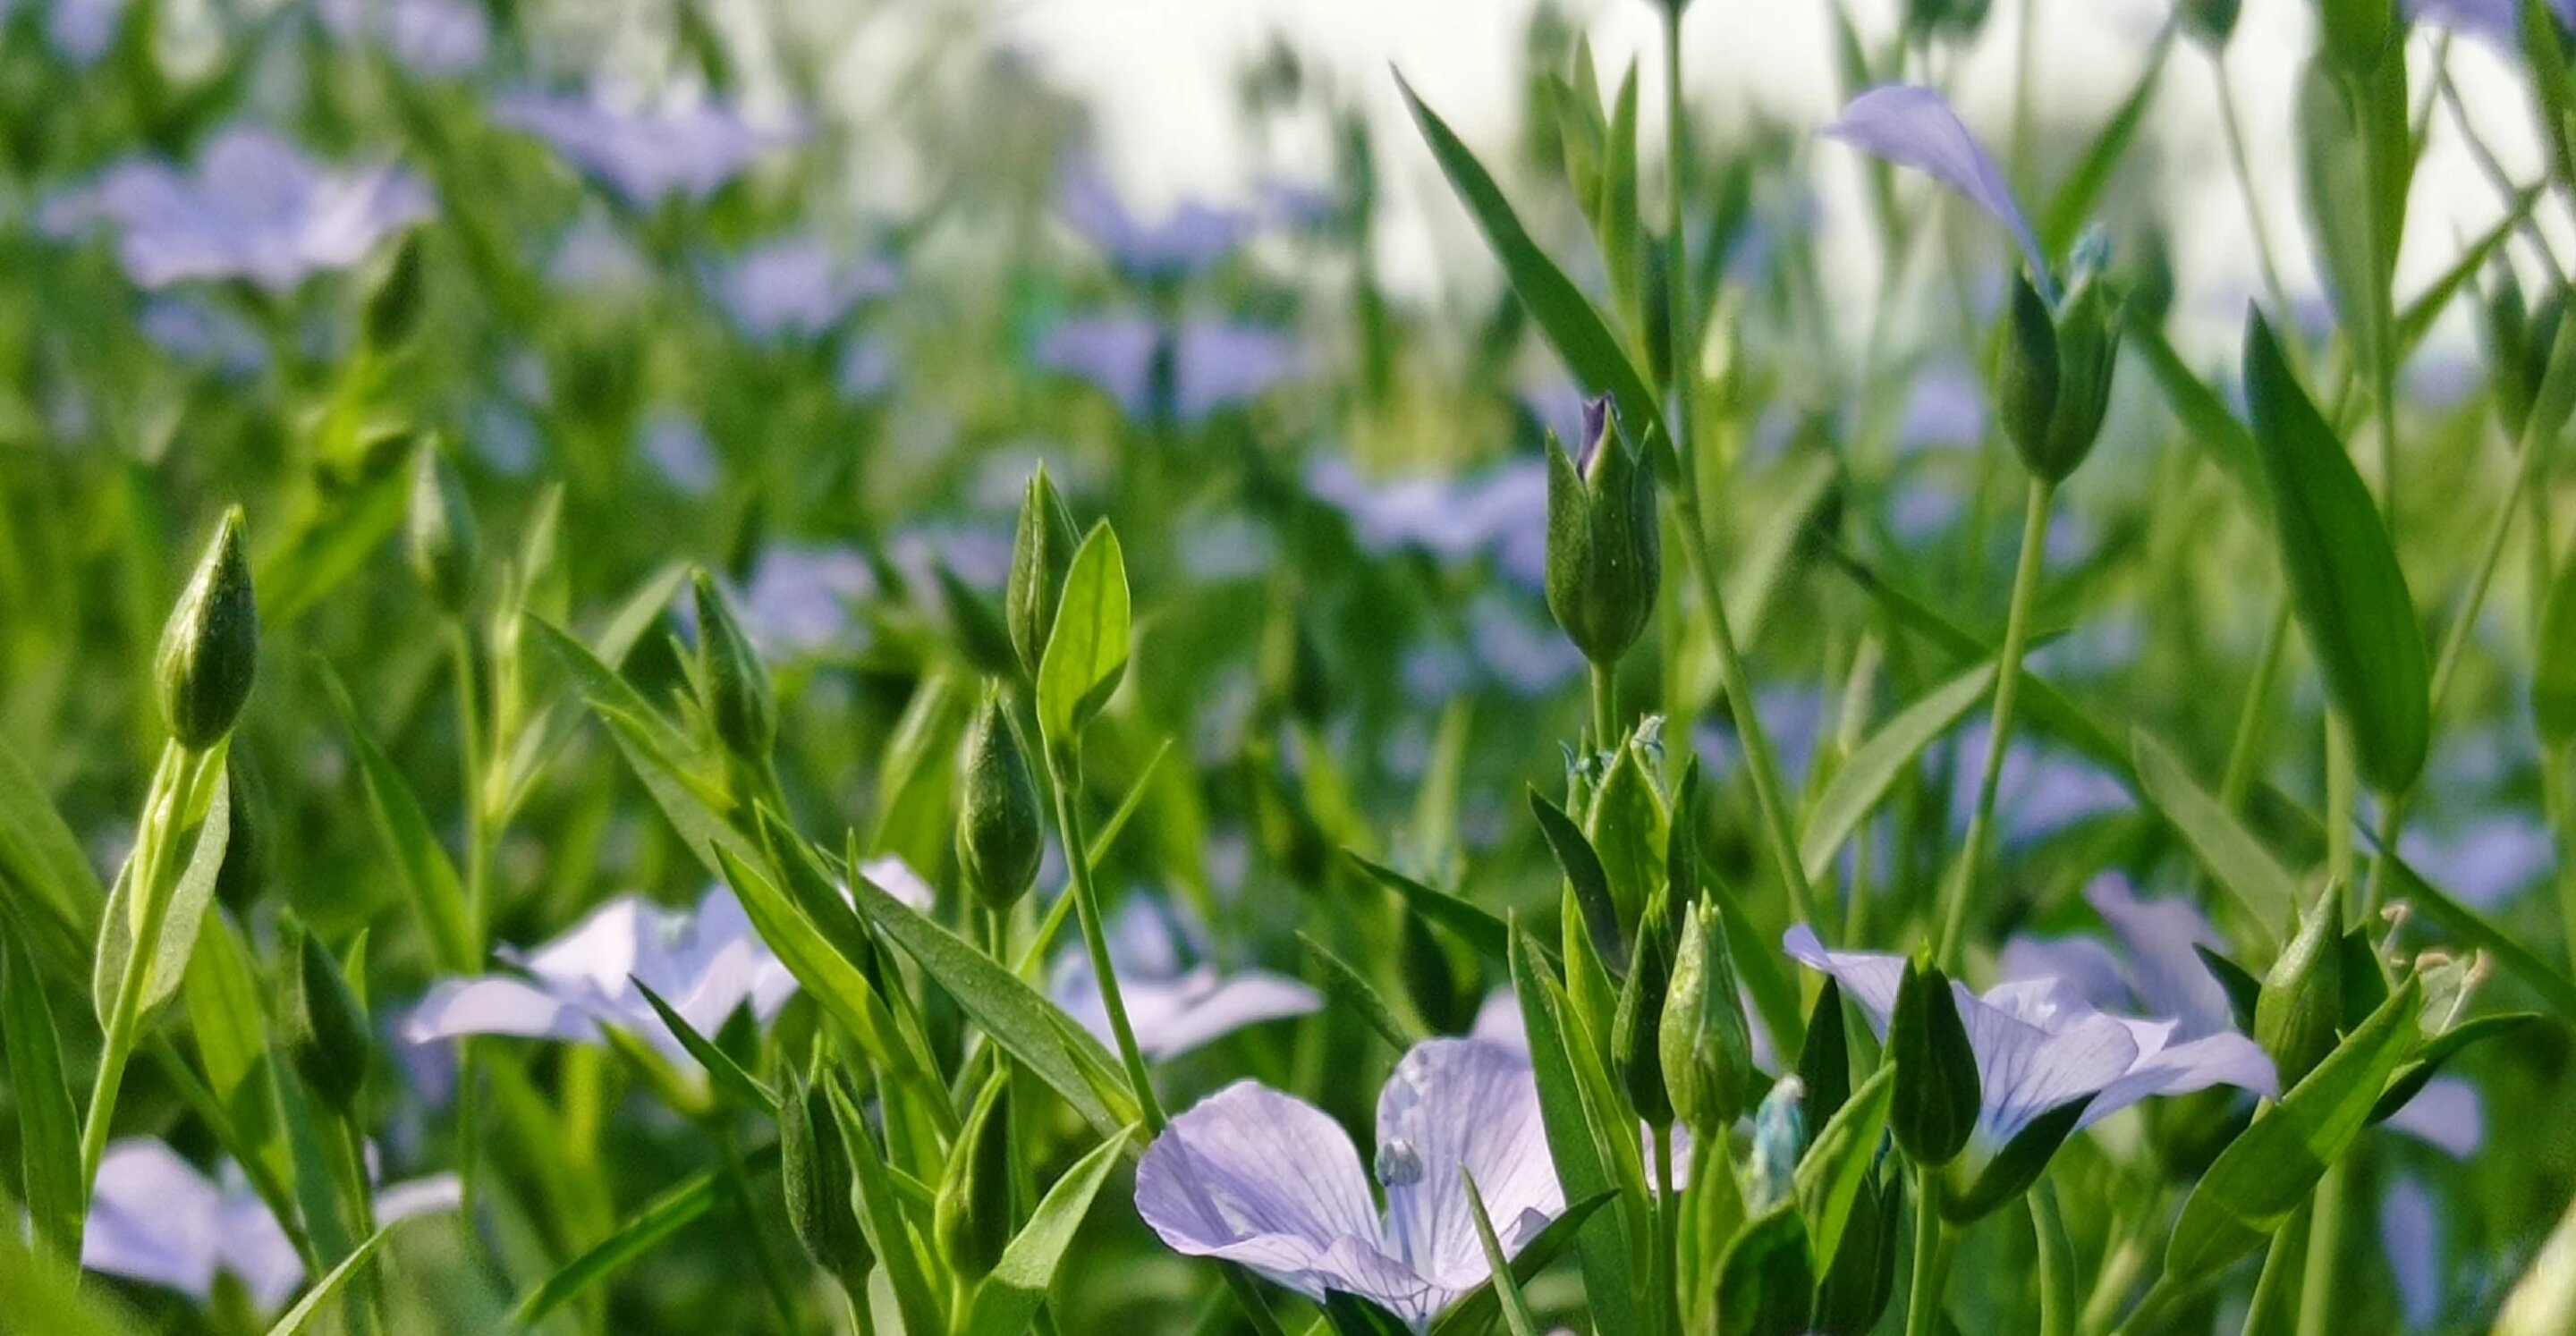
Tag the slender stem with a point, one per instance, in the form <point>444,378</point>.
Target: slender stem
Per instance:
<point>1605,708</point>
<point>1068,817</point>
<point>2244,747</point>
<point>470,742</point>
<point>164,807</point>
<point>863,1320</point>
<point>2342,799</point>
<point>2555,792</point>
<point>2276,1271</point>
<point>2034,547</point>
<point>2392,819</point>
<point>2325,1216</point>
<point>1668,1232</point>
<point>1677,267</point>
<point>1923,1299</point>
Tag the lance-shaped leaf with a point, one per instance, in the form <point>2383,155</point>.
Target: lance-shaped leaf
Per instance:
<point>2420,1069</point>
<point>1583,871</point>
<point>2265,888</point>
<point>2345,584</point>
<point>1583,1160</point>
<point>639,1234</point>
<point>1766,1282</point>
<point>2268,1171</point>
<point>1010,1296</point>
<point>296,1319</point>
<point>48,1130</point>
<point>48,894</point>
<point>1572,325</point>
<point>1879,762</point>
<point>1824,1060</point>
<point>1086,654</point>
<point>181,914</point>
<point>1837,1163</point>
<point>436,893</point>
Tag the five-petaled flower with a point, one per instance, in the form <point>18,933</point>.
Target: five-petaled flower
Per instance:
<point>1173,1007</point>
<point>1269,1181</point>
<point>646,152</point>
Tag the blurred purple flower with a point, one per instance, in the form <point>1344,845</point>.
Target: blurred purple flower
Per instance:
<point>1172,1006</point>
<point>799,598</point>
<point>1913,126</point>
<point>593,256</point>
<point>1946,407</point>
<point>705,963</point>
<point>2039,1044</point>
<point>1211,362</point>
<point>2410,1232</point>
<point>646,153</point>
<point>2446,1115</point>
<point>434,39</point>
<point>2496,21</point>
<point>156,1219</point>
<point>1191,237</point>
<point>2485,863</point>
<point>199,331</point>
<point>254,208</point>
<point>796,287</point>
<point>2155,971</point>
<point>81,31</point>
<point>2041,789</point>
<point>678,449</point>
<point>1501,512</point>
<point>1271,1182</point>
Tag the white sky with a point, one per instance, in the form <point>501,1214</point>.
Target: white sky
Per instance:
<point>1160,74</point>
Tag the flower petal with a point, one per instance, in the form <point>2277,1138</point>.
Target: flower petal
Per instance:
<point>2410,1232</point>
<point>1913,126</point>
<point>1463,1104</point>
<point>1260,1178</point>
<point>2159,934</point>
<point>495,1004</point>
<point>2447,1115</point>
<point>153,1218</point>
<point>2025,1070</point>
<point>2227,1058</point>
<point>1198,1008</point>
<point>253,1246</point>
<point>1867,977</point>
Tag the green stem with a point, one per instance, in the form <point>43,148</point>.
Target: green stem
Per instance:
<point>2325,1215</point>
<point>863,1322</point>
<point>2343,797</point>
<point>1605,708</point>
<point>2247,744</point>
<point>2034,547</point>
<point>2392,819</point>
<point>164,807</point>
<point>2276,1273</point>
<point>1668,1233</point>
<point>1677,261</point>
<point>2555,791</point>
<point>1095,939</point>
<point>347,1147</point>
<point>1923,1298</point>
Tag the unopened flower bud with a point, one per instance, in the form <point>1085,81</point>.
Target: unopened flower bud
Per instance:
<point>325,1028</point>
<point>2053,381</point>
<point>245,865</point>
<point>440,538</point>
<point>1938,1086</point>
<point>1000,836</point>
<point>1636,1027</point>
<point>972,1214</point>
<point>1779,1138</point>
<point>739,700</point>
<point>210,646</point>
<point>1707,1051</point>
<point>1041,556</point>
<point>2301,1005</point>
<point>814,1173</point>
<point>1604,550</point>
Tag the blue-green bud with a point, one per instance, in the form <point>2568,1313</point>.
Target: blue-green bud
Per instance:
<point>325,1028</point>
<point>1000,836</point>
<point>1041,556</point>
<point>1779,1138</point>
<point>739,700</point>
<point>1707,1051</point>
<point>2053,380</point>
<point>814,1174</point>
<point>1604,549</point>
<point>1937,1085</point>
<point>2297,1014</point>
<point>440,539</point>
<point>972,1214</point>
<point>1636,1027</point>
<point>210,646</point>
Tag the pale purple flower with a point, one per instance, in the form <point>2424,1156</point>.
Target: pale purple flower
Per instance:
<point>647,153</point>
<point>1914,126</point>
<point>2496,21</point>
<point>1269,1181</point>
<point>1172,1005</point>
<point>2039,1045</point>
<point>799,599</point>
<point>254,208</point>
<point>1501,512</point>
<point>198,331</point>
<point>435,39</point>
<point>2446,1115</point>
<point>1945,407</point>
<point>81,31</point>
<point>2410,1233</point>
<point>1191,237</point>
<point>1205,364</point>
<point>706,963</point>
<point>679,450</point>
<point>2486,862</point>
<point>594,256</point>
<point>2041,789</point>
<point>797,287</point>
<point>155,1218</point>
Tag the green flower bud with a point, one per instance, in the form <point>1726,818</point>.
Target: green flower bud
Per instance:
<point>1439,990</point>
<point>972,1214</point>
<point>395,299</point>
<point>2301,1005</point>
<point>1636,1028</point>
<point>1000,835</point>
<point>440,538</point>
<point>245,865</point>
<point>210,646</point>
<point>1779,1138</point>
<point>1937,1084</point>
<point>1707,1051</point>
<point>1041,556</point>
<point>2053,381</point>
<point>1604,553</point>
<point>2210,22</point>
<point>814,1174</point>
<point>739,700</point>
<point>325,1027</point>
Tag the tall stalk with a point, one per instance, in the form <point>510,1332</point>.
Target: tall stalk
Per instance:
<point>2025,587</point>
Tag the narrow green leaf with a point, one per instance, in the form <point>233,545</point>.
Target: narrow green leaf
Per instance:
<point>2553,676</point>
<point>1766,1285</point>
<point>2265,888</point>
<point>47,889</point>
<point>2345,584</point>
<point>1477,1312</point>
<point>1506,1288</point>
<point>1010,1296</point>
<point>889,1234</point>
<point>2271,1168</point>
<point>1345,985</point>
<point>2420,315</point>
<point>835,982</point>
<point>2427,1060</point>
<point>1086,654</point>
<point>2018,1165</point>
<point>1886,757</point>
<point>48,1128</point>
<point>227,1013</point>
<point>428,877</point>
<point>1022,1020</point>
<point>639,1234</point>
<point>181,916</point>
<point>2206,422</point>
<point>1837,1163</point>
<point>1474,925</point>
<point>296,1319</point>
<point>1583,871</point>
<point>2072,206</point>
<point>1572,326</point>
<point>1604,1245</point>
<point>720,1066</point>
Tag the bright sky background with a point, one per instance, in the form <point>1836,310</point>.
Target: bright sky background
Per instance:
<point>1160,74</point>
